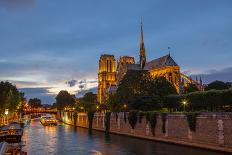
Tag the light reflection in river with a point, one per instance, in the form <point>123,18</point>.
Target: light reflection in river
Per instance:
<point>67,140</point>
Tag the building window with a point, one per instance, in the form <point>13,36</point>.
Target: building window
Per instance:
<point>107,65</point>
<point>110,66</point>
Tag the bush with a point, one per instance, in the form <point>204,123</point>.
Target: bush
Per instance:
<point>90,119</point>
<point>192,120</point>
<point>212,100</point>
<point>107,122</point>
<point>172,102</point>
<point>75,117</point>
<point>124,116</point>
<point>132,118</point>
<point>153,121</point>
<point>164,118</point>
<point>141,115</point>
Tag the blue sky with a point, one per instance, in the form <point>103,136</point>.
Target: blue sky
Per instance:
<point>44,44</point>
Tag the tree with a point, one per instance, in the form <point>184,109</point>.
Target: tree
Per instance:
<point>133,84</point>
<point>138,87</point>
<point>146,103</point>
<point>64,99</point>
<point>113,102</point>
<point>161,87</point>
<point>9,97</point>
<point>35,103</point>
<point>218,85</point>
<point>86,103</point>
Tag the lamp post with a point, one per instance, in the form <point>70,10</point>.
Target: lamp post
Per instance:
<point>184,104</point>
<point>124,106</point>
<point>97,107</point>
<point>6,113</point>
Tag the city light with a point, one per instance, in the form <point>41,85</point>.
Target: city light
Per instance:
<point>6,111</point>
<point>124,106</point>
<point>184,102</point>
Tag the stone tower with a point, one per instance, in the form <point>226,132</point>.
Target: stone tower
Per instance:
<point>122,66</point>
<point>106,76</point>
<point>142,50</point>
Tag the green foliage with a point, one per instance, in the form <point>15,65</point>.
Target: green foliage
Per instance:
<point>89,101</point>
<point>133,84</point>
<point>146,103</point>
<point>35,103</point>
<point>107,122</point>
<point>113,103</point>
<point>124,116</point>
<point>152,121</point>
<point>64,99</point>
<point>132,118</point>
<point>147,114</point>
<point>161,87</point>
<point>75,115</point>
<point>164,118</point>
<point>192,120</point>
<point>90,119</point>
<point>116,115</point>
<point>212,100</point>
<point>142,92</point>
<point>141,115</point>
<point>10,98</point>
<point>218,85</point>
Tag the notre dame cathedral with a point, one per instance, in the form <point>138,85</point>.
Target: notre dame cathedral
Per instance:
<point>111,71</point>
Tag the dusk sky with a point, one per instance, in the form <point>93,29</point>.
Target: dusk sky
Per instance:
<point>52,45</point>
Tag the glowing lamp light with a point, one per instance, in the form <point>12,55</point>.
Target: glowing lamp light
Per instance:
<point>125,106</point>
<point>6,111</point>
<point>184,102</point>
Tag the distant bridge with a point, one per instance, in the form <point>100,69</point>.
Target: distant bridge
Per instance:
<point>35,111</point>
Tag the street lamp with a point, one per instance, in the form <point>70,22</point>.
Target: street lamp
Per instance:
<point>6,113</point>
<point>97,107</point>
<point>124,106</point>
<point>184,103</point>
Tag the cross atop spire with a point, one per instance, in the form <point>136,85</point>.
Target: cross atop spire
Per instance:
<point>142,49</point>
<point>169,51</point>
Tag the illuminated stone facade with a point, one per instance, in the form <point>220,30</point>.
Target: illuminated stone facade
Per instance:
<point>106,75</point>
<point>109,77</point>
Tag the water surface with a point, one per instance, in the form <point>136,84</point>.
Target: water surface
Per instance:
<point>68,140</point>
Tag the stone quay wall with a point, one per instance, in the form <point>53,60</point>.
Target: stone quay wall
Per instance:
<point>213,130</point>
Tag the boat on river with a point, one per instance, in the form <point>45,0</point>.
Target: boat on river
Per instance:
<point>11,149</point>
<point>35,116</point>
<point>48,120</point>
<point>11,133</point>
<point>10,139</point>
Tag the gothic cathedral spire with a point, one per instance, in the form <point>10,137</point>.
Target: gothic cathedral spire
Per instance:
<point>142,49</point>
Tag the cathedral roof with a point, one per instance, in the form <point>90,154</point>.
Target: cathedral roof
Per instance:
<point>160,62</point>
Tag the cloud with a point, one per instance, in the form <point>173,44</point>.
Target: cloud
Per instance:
<point>82,92</point>
<point>41,93</point>
<point>212,75</point>
<point>11,4</point>
<point>71,83</point>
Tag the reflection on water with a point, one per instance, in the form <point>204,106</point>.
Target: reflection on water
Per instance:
<point>67,140</point>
